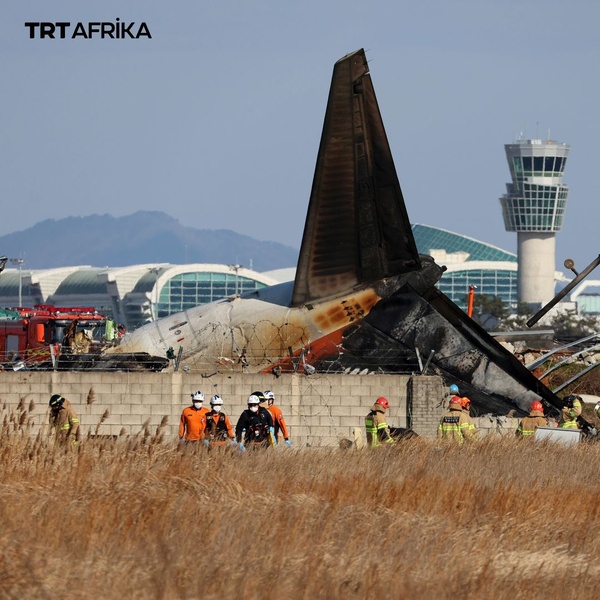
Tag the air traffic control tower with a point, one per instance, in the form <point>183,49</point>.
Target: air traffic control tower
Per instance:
<point>534,206</point>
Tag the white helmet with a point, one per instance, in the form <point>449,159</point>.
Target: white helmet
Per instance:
<point>270,397</point>
<point>216,399</point>
<point>253,399</point>
<point>198,397</point>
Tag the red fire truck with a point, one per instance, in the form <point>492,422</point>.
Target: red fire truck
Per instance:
<point>37,337</point>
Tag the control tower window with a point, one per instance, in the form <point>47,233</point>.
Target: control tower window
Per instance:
<point>560,164</point>
<point>518,164</point>
<point>549,164</point>
<point>538,163</point>
<point>527,163</point>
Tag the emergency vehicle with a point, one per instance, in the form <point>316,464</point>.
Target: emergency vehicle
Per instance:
<point>37,337</point>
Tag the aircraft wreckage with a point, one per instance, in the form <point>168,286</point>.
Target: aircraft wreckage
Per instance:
<point>363,297</point>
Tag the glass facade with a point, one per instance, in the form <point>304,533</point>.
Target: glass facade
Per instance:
<point>492,282</point>
<point>186,290</point>
<point>588,304</point>
<point>496,278</point>
<point>538,166</point>
<point>535,208</point>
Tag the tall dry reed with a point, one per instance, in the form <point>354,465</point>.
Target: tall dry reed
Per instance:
<point>140,517</point>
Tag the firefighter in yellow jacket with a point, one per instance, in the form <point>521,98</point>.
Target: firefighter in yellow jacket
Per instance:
<point>570,411</point>
<point>465,404</point>
<point>64,419</point>
<point>378,432</point>
<point>455,425</point>
<point>535,419</point>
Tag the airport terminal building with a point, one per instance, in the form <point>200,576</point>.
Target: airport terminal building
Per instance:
<point>132,295</point>
<point>138,294</point>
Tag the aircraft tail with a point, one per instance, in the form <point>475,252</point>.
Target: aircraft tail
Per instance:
<point>357,228</point>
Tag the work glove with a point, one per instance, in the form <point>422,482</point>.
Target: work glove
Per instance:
<point>206,443</point>
<point>233,441</point>
<point>288,443</point>
<point>242,447</point>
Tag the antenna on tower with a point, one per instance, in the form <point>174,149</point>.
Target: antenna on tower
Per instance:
<point>537,130</point>
<point>548,139</point>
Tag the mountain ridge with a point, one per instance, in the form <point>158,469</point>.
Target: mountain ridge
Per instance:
<point>139,238</point>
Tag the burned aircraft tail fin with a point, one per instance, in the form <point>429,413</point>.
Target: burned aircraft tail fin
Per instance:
<point>357,229</point>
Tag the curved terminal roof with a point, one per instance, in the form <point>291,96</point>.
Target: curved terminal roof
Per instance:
<point>83,281</point>
<point>9,283</point>
<point>433,238</point>
<point>148,280</point>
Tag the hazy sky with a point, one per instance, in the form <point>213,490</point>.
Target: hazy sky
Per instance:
<point>216,120</point>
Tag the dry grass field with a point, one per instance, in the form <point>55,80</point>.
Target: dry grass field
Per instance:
<point>141,518</point>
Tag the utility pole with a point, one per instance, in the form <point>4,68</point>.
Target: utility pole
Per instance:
<point>19,262</point>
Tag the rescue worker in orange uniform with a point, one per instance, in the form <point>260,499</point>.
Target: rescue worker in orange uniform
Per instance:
<point>378,432</point>
<point>279,423</point>
<point>218,426</point>
<point>570,411</point>
<point>465,404</point>
<point>529,424</point>
<point>193,420</point>
<point>64,420</point>
<point>455,425</point>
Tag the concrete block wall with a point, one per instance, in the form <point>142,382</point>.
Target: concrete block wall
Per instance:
<point>321,410</point>
<point>496,425</point>
<point>427,402</point>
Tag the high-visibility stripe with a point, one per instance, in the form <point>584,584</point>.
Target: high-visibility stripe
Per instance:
<point>373,432</point>
<point>451,428</point>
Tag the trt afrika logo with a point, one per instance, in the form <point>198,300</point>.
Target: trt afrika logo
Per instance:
<point>104,30</point>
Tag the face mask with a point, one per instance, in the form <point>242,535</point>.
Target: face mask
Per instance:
<point>253,408</point>
<point>217,408</point>
<point>197,405</point>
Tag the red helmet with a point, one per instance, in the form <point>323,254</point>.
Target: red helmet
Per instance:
<point>383,402</point>
<point>456,400</point>
<point>464,402</point>
<point>537,405</point>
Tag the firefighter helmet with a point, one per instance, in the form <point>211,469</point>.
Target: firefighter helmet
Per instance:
<point>56,400</point>
<point>383,402</point>
<point>198,397</point>
<point>260,396</point>
<point>454,389</point>
<point>597,408</point>
<point>216,399</point>
<point>253,399</point>
<point>455,400</point>
<point>537,405</point>
<point>464,402</point>
<point>568,400</point>
<point>270,396</point>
